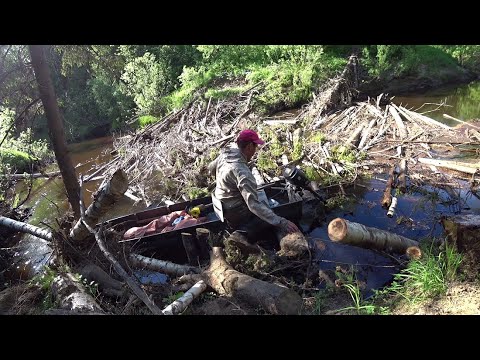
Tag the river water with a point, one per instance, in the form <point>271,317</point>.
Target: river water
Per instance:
<point>461,102</point>
<point>48,200</point>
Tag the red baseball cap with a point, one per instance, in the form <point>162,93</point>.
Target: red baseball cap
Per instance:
<point>250,135</point>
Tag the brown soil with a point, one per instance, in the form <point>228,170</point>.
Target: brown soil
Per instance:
<point>461,299</point>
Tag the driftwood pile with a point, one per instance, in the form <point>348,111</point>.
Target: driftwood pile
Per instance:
<point>172,150</point>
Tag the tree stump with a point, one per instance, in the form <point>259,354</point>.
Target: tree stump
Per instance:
<point>273,298</point>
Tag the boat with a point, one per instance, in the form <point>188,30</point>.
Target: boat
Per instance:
<point>169,246</point>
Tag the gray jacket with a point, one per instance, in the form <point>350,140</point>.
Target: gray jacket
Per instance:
<point>236,185</point>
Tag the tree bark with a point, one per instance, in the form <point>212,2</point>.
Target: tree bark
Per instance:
<point>166,267</point>
<point>273,298</point>
<point>181,303</point>
<point>55,126</point>
<point>26,228</point>
<point>105,197</point>
<point>347,232</point>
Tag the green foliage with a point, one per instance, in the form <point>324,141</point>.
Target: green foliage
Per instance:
<point>345,154</point>
<point>195,192</point>
<point>337,201</point>
<point>172,297</point>
<point>289,72</point>
<point>217,94</point>
<point>17,160</point>
<point>317,137</point>
<point>426,277</point>
<point>312,173</point>
<point>44,280</point>
<point>466,55</point>
<point>146,120</point>
<point>389,61</point>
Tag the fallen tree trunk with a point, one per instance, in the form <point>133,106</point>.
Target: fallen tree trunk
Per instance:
<point>347,232</point>
<point>468,168</point>
<point>31,176</point>
<point>273,298</point>
<point>105,197</point>
<point>72,296</point>
<point>26,228</point>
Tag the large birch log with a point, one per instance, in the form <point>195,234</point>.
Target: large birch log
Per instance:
<point>181,303</point>
<point>163,266</point>
<point>347,232</point>
<point>108,194</point>
<point>72,296</point>
<point>26,228</point>
<point>274,298</point>
<point>398,121</point>
<point>469,168</point>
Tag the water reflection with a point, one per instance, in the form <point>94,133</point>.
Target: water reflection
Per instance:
<point>462,102</point>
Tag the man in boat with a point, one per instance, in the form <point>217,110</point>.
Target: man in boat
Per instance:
<point>236,188</point>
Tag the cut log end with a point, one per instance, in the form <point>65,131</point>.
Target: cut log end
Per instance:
<point>414,252</point>
<point>337,229</point>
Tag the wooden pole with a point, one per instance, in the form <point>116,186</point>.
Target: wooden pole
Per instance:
<point>402,181</point>
<point>347,232</point>
<point>387,194</point>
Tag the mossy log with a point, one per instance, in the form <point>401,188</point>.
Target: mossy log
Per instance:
<point>273,298</point>
<point>348,232</point>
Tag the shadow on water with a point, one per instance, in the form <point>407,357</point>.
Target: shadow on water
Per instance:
<point>417,217</point>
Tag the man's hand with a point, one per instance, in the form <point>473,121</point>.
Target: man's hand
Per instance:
<point>290,227</point>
